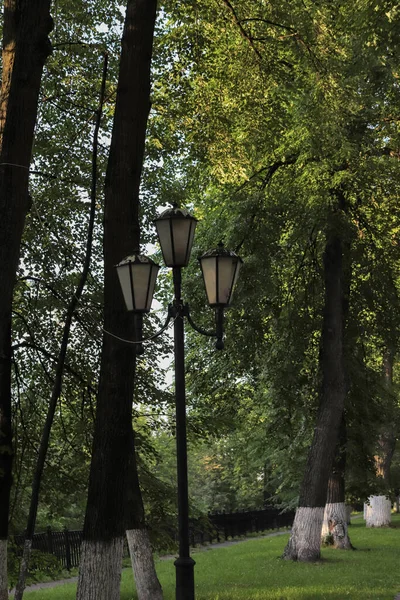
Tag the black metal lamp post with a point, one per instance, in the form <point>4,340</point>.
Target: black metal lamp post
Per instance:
<point>220,268</point>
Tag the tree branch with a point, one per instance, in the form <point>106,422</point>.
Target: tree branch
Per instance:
<point>271,170</point>
<point>243,32</point>
<point>267,22</point>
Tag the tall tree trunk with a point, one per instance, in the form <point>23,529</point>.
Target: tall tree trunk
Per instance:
<point>25,49</point>
<point>387,438</point>
<point>335,526</point>
<point>105,519</point>
<point>59,371</point>
<point>305,540</point>
<point>378,510</point>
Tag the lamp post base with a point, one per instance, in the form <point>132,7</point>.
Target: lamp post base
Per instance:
<point>184,578</point>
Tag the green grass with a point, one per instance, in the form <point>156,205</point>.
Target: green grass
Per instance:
<point>252,570</point>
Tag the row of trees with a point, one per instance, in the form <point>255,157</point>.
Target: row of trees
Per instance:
<point>279,127</point>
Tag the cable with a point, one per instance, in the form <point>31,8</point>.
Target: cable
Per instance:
<point>14,165</point>
<point>152,337</point>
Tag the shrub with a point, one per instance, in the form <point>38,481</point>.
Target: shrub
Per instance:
<point>42,566</point>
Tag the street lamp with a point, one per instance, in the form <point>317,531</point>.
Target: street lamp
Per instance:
<point>220,268</point>
<point>137,276</point>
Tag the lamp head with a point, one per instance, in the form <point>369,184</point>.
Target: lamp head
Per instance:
<point>220,268</point>
<point>175,229</point>
<point>137,276</point>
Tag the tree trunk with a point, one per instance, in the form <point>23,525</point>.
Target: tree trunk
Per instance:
<point>147,585</point>
<point>59,371</point>
<point>334,528</point>
<point>387,438</point>
<point>378,509</point>
<point>25,49</point>
<point>3,570</point>
<point>378,512</point>
<point>305,540</point>
<point>100,569</point>
<point>105,519</point>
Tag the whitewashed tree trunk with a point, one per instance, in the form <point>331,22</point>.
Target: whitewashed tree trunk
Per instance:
<point>378,512</point>
<point>305,539</point>
<point>331,508</point>
<point>335,524</point>
<point>325,526</point>
<point>147,585</point>
<point>100,570</point>
<point>3,570</point>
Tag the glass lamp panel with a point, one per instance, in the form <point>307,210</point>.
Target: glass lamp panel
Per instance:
<point>235,277</point>
<point>125,281</point>
<point>183,233</point>
<point>164,235</point>
<point>209,268</point>
<point>226,275</point>
<point>152,284</point>
<point>141,276</point>
<point>193,224</point>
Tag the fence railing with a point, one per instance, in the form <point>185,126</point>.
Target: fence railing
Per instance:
<point>214,527</point>
<point>222,526</point>
<point>65,545</point>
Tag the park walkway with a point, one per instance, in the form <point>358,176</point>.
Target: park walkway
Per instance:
<point>226,544</point>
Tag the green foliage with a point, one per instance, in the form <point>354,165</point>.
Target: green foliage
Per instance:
<point>293,108</point>
<point>257,129</point>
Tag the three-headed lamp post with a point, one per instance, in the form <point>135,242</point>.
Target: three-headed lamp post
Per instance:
<point>137,275</point>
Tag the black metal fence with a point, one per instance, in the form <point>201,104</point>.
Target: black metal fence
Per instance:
<point>215,527</point>
<point>222,526</point>
<point>65,545</point>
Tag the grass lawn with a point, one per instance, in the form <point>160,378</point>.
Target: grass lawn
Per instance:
<point>252,570</point>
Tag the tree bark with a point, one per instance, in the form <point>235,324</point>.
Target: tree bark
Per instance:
<point>25,49</point>
<point>378,510</point>
<point>147,585</point>
<point>335,524</point>
<point>305,540</point>
<point>387,438</point>
<point>100,568</point>
<point>106,519</point>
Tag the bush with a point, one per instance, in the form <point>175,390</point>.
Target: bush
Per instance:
<point>42,566</point>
